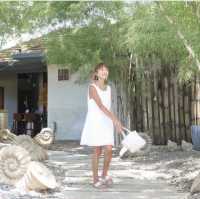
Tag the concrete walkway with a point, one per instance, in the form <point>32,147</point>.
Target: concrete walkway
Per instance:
<point>76,166</point>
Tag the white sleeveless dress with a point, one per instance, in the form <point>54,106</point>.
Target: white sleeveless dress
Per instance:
<point>98,129</point>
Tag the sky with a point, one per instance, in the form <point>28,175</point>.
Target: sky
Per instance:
<point>14,40</point>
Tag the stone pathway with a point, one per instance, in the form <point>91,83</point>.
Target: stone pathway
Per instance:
<point>76,168</point>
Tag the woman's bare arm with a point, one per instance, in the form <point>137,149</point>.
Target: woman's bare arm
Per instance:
<point>94,95</point>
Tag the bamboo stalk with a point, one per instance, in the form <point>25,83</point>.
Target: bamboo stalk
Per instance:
<point>187,117</point>
<point>198,101</point>
<point>153,110</point>
<point>160,110</point>
<point>176,118</point>
<point>170,108</point>
<point>184,112</point>
<point>190,110</point>
<point>173,121</point>
<point>180,106</point>
<point>193,110</point>
<point>156,109</point>
<point>166,111</point>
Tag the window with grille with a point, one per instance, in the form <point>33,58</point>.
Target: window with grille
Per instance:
<point>1,98</point>
<point>63,74</point>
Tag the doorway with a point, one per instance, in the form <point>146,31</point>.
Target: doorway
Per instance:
<point>32,94</point>
<point>32,101</point>
<point>27,92</point>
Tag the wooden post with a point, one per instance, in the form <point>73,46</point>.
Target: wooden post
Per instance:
<point>160,109</point>
<point>198,101</point>
<point>194,114</point>
<point>167,132</point>
<point>156,111</point>
<point>155,141</point>
<point>187,115</point>
<point>176,119</point>
<point>170,108</point>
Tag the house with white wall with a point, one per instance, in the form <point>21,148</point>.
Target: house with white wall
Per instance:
<point>28,82</point>
<point>67,104</point>
<point>26,79</point>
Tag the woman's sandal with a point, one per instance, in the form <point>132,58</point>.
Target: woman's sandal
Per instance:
<point>99,185</point>
<point>107,180</point>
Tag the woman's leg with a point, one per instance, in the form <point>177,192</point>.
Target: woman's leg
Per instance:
<point>95,162</point>
<point>107,159</point>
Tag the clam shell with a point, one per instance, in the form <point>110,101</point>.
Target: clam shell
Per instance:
<point>14,161</point>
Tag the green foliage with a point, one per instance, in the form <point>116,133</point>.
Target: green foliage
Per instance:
<point>187,70</point>
<point>11,15</point>
<point>109,31</point>
<point>185,20</point>
<point>82,46</point>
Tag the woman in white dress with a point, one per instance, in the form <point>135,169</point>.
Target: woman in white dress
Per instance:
<point>98,130</point>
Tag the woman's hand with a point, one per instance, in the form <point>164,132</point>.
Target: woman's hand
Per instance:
<point>118,125</point>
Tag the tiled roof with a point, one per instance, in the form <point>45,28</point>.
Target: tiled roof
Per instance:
<point>34,46</point>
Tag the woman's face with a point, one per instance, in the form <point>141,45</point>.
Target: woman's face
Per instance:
<point>102,73</point>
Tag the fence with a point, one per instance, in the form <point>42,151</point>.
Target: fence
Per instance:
<point>162,106</point>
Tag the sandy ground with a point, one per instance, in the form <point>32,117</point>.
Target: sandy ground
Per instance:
<point>178,168</point>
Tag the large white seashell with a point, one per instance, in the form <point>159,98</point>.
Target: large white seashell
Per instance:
<point>14,161</point>
<point>4,145</point>
<point>38,177</point>
<point>5,134</point>
<point>36,152</point>
<point>45,138</point>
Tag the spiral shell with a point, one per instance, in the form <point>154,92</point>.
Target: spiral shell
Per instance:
<point>2,145</point>
<point>38,177</point>
<point>14,161</point>
<point>36,152</point>
<point>45,138</point>
<point>5,134</point>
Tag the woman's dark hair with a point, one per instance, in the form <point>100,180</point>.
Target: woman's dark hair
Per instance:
<point>97,67</point>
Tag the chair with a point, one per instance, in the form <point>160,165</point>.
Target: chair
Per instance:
<point>17,118</point>
<point>29,118</point>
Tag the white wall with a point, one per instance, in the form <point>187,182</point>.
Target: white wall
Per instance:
<point>67,105</point>
<point>9,82</point>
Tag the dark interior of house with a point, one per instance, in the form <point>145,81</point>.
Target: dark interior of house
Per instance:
<point>32,102</point>
<point>28,91</point>
<point>1,98</point>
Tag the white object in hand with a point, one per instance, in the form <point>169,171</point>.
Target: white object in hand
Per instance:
<point>132,142</point>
